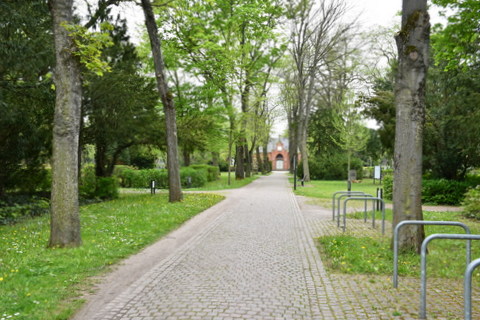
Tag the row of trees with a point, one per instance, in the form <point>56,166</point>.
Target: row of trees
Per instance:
<point>99,94</point>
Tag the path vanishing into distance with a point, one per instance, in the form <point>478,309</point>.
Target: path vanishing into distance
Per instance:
<point>253,256</point>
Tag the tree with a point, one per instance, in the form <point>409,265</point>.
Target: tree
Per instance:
<point>413,52</point>
<point>458,44</point>
<point>173,167</point>
<point>120,107</point>
<point>314,34</point>
<point>26,96</point>
<point>65,219</point>
<point>353,135</point>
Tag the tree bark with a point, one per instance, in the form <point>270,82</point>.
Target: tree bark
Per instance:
<point>413,52</point>
<point>65,218</point>
<point>260,167</point>
<point>175,191</point>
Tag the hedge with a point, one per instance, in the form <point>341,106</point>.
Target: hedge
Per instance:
<point>134,178</point>
<point>436,191</point>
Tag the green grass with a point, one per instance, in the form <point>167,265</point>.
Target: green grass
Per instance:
<point>325,189</point>
<point>362,255</point>
<point>40,283</point>
<point>222,183</point>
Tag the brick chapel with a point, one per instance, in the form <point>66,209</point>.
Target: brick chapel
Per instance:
<point>278,154</point>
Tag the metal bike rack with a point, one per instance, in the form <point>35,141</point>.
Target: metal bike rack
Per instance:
<point>421,222</point>
<point>373,212</point>
<point>423,270</point>
<point>349,195</point>
<point>342,192</point>
<point>467,288</point>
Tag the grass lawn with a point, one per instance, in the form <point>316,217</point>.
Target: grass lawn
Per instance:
<point>222,183</point>
<point>364,255</point>
<point>325,189</point>
<point>37,283</point>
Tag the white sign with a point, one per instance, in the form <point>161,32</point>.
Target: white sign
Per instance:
<point>377,174</point>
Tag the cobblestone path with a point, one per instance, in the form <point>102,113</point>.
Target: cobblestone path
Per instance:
<point>258,260</point>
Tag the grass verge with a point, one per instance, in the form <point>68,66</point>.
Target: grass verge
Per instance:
<point>363,255</point>
<point>39,283</point>
<point>222,183</point>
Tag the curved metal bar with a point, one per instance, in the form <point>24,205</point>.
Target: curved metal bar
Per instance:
<point>341,192</point>
<point>396,232</point>
<point>347,195</point>
<point>467,288</point>
<point>373,216</point>
<point>423,266</point>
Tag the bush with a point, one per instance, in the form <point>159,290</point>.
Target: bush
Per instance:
<point>198,177</point>
<point>212,172</point>
<point>471,203</point>
<point>13,208</point>
<point>133,178</point>
<point>388,186</point>
<point>93,187</point>
<point>442,191</point>
<point>106,188</point>
<point>331,167</point>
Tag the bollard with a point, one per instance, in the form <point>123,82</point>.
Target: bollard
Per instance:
<point>152,187</point>
<point>426,223</point>
<point>423,265</point>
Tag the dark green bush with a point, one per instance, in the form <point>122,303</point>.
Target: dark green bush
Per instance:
<point>133,178</point>
<point>331,167</point>
<point>471,203</point>
<point>212,172</point>
<point>198,177</point>
<point>13,208</point>
<point>32,181</point>
<point>93,187</point>
<point>107,188</point>
<point>388,186</point>
<point>442,191</point>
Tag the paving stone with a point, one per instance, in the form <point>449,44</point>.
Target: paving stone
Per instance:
<point>258,260</point>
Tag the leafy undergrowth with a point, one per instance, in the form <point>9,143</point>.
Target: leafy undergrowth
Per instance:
<point>41,283</point>
<point>363,255</point>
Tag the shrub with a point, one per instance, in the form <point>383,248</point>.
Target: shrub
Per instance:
<point>133,178</point>
<point>471,203</point>
<point>106,188</point>
<point>13,208</point>
<point>442,191</point>
<point>93,187</point>
<point>388,186</point>
<point>332,167</point>
<point>212,172</point>
<point>198,177</point>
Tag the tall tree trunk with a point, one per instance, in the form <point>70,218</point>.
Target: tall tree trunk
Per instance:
<point>304,151</point>
<point>248,161</point>
<point>175,190</point>
<point>65,219</point>
<point>266,162</point>
<point>413,52</point>
<point>239,162</point>
<point>186,157</point>
<point>260,167</point>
